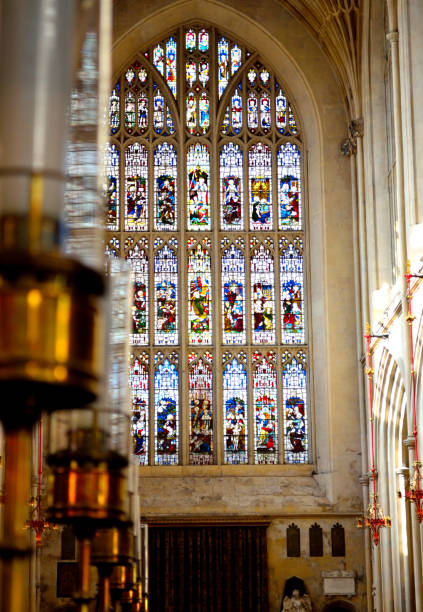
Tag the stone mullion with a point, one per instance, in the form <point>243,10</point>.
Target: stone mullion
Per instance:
<point>215,252</point>
<point>184,412</point>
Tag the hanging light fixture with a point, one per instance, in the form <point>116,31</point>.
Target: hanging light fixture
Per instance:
<point>413,490</point>
<point>38,523</point>
<point>374,518</point>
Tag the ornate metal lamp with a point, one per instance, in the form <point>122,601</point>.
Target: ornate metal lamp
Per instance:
<point>50,304</point>
<point>89,448</point>
<point>374,518</point>
<point>413,490</point>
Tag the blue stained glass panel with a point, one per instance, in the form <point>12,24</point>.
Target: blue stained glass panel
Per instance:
<point>292,294</point>
<point>260,171</point>
<point>203,41</point>
<point>166,405</point>
<point>158,58</point>
<point>235,417</point>
<point>236,59</point>
<point>204,113</point>
<point>289,186</point>
<point>294,378</point>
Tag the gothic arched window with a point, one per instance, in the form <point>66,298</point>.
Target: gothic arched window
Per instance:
<point>205,200</point>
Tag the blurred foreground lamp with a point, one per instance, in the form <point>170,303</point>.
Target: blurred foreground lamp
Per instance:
<point>89,447</point>
<point>50,304</point>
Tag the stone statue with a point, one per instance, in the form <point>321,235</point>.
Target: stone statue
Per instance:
<point>295,598</point>
<point>297,602</point>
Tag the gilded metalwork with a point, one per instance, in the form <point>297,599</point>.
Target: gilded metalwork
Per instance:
<point>50,325</point>
<point>86,493</point>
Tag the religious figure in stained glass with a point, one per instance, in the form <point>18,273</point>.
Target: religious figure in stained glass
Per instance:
<point>292,301</point>
<point>198,188</point>
<point>114,109</point>
<point>200,394</point>
<point>289,173</point>
<point>166,293</point>
<point>231,200</point>
<point>166,387</point>
<point>235,423</point>
<point>111,186</point>
<point>260,193</point>
<point>142,113</point>
<point>217,154</point>
<point>295,412</point>
<point>265,408</point>
<point>138,381</point>
<point>166,200</point>
<point>166,307</point>
<point>171,65</point>
<point>292,298</point>
<point>136,200</point>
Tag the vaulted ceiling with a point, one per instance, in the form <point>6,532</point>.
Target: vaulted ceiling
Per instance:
<point>337,26</point>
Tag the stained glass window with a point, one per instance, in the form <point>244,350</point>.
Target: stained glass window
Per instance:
<point>198,170</point>
<point>203,191</point>
<point>136,187</point>
<point>295,419</point>
<point>231,203</point>
<point>166,292</point>
<point>265,408</point>
<point>171,65</point>
<point>233,292</point>
<point>199,291</point>
<point>165,187</point>
<point>137,256</point>
<point>114,107</point>
<point>166,407</point>
<point>262,292</point>
<point>200,380</point>
<point>260,173</point>
<point>235,417</point>
<point>138,382</point>
<point>289,186</point>
<point>112,187</point>
<point>292,291</point>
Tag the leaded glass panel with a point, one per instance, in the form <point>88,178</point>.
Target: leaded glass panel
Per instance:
<point>198,118</point>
